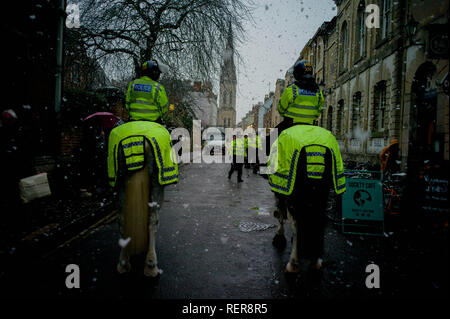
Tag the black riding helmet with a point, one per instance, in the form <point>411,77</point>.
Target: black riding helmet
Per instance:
<point>150,69</point>
<point>153,69</point>
<point>303,70</point>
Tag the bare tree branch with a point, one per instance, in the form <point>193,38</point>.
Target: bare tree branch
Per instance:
<point>188,35</point>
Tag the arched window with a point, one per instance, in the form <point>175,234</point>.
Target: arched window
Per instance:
<point>330,119</point>
<point>225,97</point>
<point>231,99</point>
<point>356,110</point>
<point>360,29</point>
<point>344,44</point>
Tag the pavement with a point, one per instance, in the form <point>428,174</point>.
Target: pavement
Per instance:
<point>205,252</point>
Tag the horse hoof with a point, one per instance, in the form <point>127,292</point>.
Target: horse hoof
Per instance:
<point>292,269</point>
<point>279,241</point>
<point>152,272</point>
<point>123,268</point>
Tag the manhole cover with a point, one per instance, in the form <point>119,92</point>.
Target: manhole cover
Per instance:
<point>251,226</point>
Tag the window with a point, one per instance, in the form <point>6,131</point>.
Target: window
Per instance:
<point>344,40</point>
<point>339,116</point>
<point>379,108</point>
<point>385,17</point>
<point>356,110</point>
<point>231,99</point>
<point>224,122</point>
<point>330,119</point>
<point>319,53</point>
<point>360,29</point>
<point>229,121</point>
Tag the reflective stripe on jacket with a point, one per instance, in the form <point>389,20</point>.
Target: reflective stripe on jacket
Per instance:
<point>255,142</point>
<point>237,147</point>
<point>146,99</point>
<point>131,138</point>
<point>301,105</point>
<point>285,153</point>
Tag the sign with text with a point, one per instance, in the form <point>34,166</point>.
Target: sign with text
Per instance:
<point>363,200</point>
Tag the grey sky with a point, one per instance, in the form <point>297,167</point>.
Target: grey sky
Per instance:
<point>280,30</point>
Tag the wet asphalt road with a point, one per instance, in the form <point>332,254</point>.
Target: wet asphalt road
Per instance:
<point>204,254</point>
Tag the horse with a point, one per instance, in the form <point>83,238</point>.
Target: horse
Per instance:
<point>305,209</point>
<point>141,162</point>
<point>305,163</point>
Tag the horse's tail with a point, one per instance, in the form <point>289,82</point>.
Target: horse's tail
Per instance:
<point>135,208</point>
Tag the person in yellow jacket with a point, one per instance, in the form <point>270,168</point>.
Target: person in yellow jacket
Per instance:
<point>301,102</point>
<point>254,147</point>
<point>141,162</point>
<point>304,163</point>
<point>238,151</point>
<point>146,99</point>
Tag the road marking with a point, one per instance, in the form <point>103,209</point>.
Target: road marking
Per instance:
<point>107,219</point>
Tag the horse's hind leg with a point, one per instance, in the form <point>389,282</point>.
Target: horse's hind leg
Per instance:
<point>279,240</point>
<point>124,265</point>
<point>292,265</point>
<point>156,200</point>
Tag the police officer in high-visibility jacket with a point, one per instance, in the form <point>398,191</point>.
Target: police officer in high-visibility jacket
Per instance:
<point>146,99</point>
<point>301,102</point>
<point>238,151</point>
<point>254,146</point>
<point>304,163</point>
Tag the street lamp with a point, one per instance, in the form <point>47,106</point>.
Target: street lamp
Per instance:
<point>411,28</point>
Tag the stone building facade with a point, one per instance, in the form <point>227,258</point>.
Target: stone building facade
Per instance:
<point>384,83</point>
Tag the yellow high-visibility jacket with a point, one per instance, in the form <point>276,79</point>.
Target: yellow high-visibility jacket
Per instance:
<point>146,99</point>
<point>301,105</point>
<point>285,153</point>
<point>237,147</point>
<point>130,137</point>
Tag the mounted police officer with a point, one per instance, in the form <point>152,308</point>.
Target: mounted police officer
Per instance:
<point>301,102</point>
<point>146,99</point>
<point>141,161</point>
<point>305,161</point>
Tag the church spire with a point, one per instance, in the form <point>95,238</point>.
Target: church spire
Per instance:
<point>227,97</point>
<point>228,67</point>
<point>230,37</point>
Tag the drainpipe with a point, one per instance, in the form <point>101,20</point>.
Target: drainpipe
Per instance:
<point>59,55</point>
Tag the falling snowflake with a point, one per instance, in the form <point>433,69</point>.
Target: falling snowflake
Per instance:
<point>124,242</point>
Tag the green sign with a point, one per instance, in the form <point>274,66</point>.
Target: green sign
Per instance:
<point>363,200</point>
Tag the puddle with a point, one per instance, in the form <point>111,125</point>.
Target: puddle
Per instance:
<point>261,211</point>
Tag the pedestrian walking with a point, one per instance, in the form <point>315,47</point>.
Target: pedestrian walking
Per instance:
<point>246,162</point>
<point>237,150</point>
<point>254,146</point>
